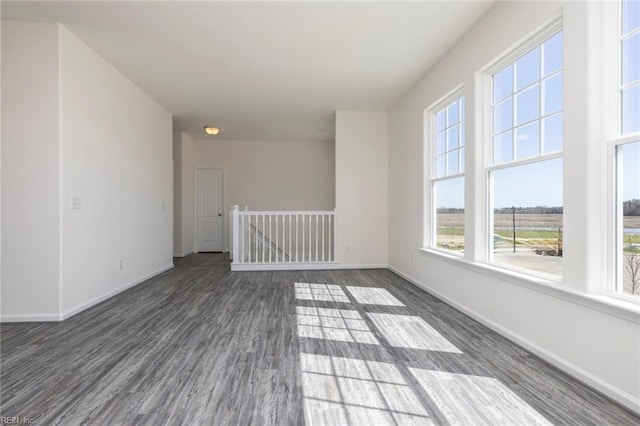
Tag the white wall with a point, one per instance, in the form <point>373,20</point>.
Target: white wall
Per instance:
<point>261,175</point>
<point>361,188</point>
<point>177,194</point>
<point>273,175</point>
<point>188,194</point>
<point>117,156</point>
<point>599,347</point>
<point>30,171</point>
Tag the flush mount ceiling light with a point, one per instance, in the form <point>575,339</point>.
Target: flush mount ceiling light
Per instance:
<point>211,130</point>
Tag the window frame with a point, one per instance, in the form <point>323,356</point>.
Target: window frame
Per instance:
<point>547,31</point>
<point>430,176</point>
<point>614,140</point>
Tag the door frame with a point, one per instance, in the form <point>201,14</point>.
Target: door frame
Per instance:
<point>195,206</point>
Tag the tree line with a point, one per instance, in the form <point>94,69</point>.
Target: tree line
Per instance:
<point>505,210</point>
<point>629,208</point>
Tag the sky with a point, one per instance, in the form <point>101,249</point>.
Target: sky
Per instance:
<point>538,184</point>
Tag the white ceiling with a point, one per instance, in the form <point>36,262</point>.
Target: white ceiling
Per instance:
<point>265,70</point>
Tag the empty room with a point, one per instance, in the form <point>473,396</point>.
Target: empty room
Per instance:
<point>320,213</point>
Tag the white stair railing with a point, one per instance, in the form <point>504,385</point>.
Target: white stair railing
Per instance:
<point>262,240</point>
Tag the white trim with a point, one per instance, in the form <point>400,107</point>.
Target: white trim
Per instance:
<point>61,188</point>
<point>30,318</point>
<point>236,267</point>
<point>537,36</point>
<point>183,254</point>
<point>456,94</point>
<point>525,161</point>
<point>621,397</point>
<point>71,312</point>
<point>600,302</point>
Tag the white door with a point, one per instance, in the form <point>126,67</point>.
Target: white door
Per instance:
<point>209,210</point>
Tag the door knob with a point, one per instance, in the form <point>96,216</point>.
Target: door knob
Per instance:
<point>219,214</point>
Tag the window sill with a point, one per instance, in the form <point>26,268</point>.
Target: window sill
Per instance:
<point>606,303</point>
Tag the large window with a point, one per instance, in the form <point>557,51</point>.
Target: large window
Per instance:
<point>525,171</point>
<point>447,174</point>
<point>627,152</point>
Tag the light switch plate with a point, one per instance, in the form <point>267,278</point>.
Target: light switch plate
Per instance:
<point>76,202</point>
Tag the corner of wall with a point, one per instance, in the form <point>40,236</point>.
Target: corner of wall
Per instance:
<point>362,187</point>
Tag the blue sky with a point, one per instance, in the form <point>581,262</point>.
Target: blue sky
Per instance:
<point>631,171</point>
<point>537,184</point>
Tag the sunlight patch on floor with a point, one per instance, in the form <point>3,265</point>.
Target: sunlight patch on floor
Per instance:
<point>333,324</point>
<point>465,399</point>
<point>411,332</point>
<point>373,296</point>
<point>320,292</point>
<point>346,391</point>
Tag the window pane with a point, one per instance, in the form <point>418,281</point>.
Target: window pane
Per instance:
<point>528,141</point>
<point>452,114</point>
<point>552,56</point>
<point>631,59</point>
<point>503,84</point>
<point>440,166</point>
<point>552,131</point>
<point>631,110</point>
<point>462,160</point>
<point>630,191</point>
<point>528,69</point>
<point>449,216</point>
<point>503,116</point>
<point>452,162</point>
<point>441,143</point>
<point>528,105</point>
<point>552,94</point>
<point>502,148</point>
<point>532,196</point>
<point>452,138</point>
<point>440,121</point>
<point>630,15</point>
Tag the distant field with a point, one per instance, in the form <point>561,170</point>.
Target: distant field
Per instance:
<point>538,231</point>
<point>632,222</point>
<point>456,220</point>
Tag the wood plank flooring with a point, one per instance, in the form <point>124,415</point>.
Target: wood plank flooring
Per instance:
<point>202,345</point>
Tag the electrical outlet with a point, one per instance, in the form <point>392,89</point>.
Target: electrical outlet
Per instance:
<point>121,264</point>
<point>347,249</point>
<point>76,202</point>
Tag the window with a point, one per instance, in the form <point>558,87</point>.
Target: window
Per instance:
<point>525,172</point>
<point>626,145</point>
<point>447,174</point>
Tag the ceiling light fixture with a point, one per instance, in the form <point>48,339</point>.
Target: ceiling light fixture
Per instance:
<point>211,130</point>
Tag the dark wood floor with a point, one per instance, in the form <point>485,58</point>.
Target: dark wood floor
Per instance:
<point>201,345</point>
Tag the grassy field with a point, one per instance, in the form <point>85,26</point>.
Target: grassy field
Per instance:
<point>451,232</point>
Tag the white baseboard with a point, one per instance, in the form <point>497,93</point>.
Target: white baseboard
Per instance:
<point>82,307</point>
<point>184,254</point>
<point>298,266</point>
<point>281,266</point>
<point>73,311</point>
<point>618,395</point>
<point>30,318</point>
<point>354,266</point>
